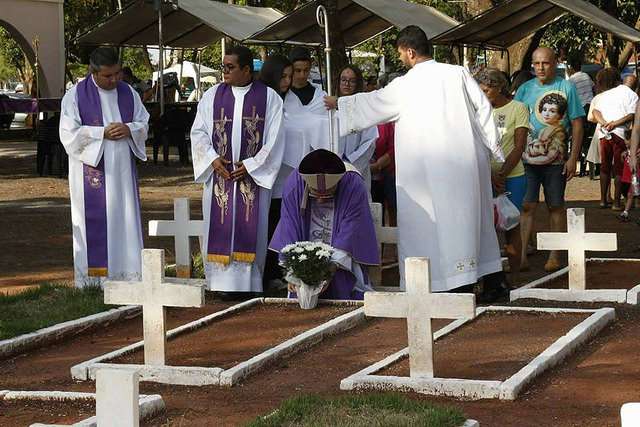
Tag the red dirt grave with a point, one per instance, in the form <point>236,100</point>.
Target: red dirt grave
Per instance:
<point>240,336</point>
<point>47,368</point>
<point>604,275</point>
<point>495,345</point>
<point>26,412</point>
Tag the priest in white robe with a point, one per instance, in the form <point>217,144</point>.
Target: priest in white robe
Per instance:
<point>306,122</point>
<point>445,136</point>
<point>235,142</point>
<point>103,128</point>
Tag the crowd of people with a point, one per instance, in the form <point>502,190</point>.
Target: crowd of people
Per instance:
<point>261,147</point>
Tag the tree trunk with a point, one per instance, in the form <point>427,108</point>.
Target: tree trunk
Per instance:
<point>146,60</point>
<point>612,47</point>
<point>336,39</point>
<point>626,53</point>
<point>534,43</point>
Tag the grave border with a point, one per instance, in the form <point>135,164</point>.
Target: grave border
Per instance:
<point>41,337</point>
<point>484,389</point>
<point>536,291</point>
<point>199,376</point>
<point>150,405</point>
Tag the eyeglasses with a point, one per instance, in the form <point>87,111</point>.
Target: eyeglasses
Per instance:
<point>349,82</point>
<point>227,68</point>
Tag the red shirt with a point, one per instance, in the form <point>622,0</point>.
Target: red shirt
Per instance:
<point>385,144</point>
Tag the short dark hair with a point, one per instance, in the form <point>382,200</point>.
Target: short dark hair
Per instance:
<point>357,72</point>
<point>103,57</point>
<point>244,55</point>
<point>299,53</point>
<point>575,62</point>
<point>607,78</point>
<point>554,99</point>
<point>412,37</point>
<point>272,70</point>
<point>126,71</point>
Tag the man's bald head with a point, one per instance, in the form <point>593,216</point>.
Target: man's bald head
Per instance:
<point>544,61</point>
<point>631,81</point>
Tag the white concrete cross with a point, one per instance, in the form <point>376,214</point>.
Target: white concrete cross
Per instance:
<point>153,294</point>
<point>383,235</point>
<point>577,242</point>
<point>182,227</point>
<point>419,306</point>
<point>630,415</point>
<point>117,394</point>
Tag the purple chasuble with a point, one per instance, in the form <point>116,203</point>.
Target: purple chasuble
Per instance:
<point>240,219</point>
<point>353,228</point>
<point>95,195</point>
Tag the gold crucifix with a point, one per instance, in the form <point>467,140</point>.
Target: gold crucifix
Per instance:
<point>221,133</point>
<point>253,137</point>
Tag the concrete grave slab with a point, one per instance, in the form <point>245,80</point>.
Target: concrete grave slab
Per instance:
<point>537,290</point>
<point>577,242</point>
<point>148,405</point>
<point>154,294</point>
<point>418,305</point>
<point>630,415</point>
<point>471,389</point>
<point>198,376</point>
<point>46,336</point>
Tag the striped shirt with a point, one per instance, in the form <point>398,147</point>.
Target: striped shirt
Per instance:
<point>584,85</point>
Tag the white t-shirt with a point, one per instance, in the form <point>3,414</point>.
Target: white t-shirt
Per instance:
<point>584,86</point>
<point>614,104</point>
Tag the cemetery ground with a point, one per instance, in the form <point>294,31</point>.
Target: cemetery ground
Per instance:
<point>585,390</point>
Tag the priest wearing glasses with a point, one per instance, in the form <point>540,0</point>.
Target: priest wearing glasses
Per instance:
<point>237,152</point>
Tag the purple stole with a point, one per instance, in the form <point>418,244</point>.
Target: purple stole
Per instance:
<point>95,195</point>
<point>247,195</point>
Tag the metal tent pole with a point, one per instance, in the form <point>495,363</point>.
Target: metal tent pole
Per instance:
<point>323,22</point>
<point>158,6</point>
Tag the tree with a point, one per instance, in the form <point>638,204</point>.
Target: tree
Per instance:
<point>15,61</point>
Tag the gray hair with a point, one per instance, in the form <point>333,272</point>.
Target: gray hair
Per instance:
<point>493,78</point>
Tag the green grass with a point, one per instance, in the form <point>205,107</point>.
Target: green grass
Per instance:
<point>45,306</point>
<point>197,268</point>
<point>362,410</point>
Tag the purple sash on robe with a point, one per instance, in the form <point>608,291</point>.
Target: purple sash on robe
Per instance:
<point>95,195</point>
<point>247,195</point>
<point>353,228</point>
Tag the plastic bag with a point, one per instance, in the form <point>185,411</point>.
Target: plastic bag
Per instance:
<point>507,215</point>
<point>307,295</point>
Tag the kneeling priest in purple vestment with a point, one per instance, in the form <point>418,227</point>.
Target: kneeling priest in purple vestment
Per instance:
<point>325,200</point>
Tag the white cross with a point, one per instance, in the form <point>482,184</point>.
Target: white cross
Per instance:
<point>577,242</point>
<point>153,294</point>
<point>383,235</point>
<point>117,395</point>
<point>419,306</point>
<point>182,227</point>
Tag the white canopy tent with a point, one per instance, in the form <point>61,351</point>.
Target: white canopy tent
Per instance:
<point>189,69</point>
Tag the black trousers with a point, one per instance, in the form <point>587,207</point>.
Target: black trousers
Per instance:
<point>272,269</point>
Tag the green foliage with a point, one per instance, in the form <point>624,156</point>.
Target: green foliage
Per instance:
<point>136,59</point>
<point>79,17</point>
<point>308,261</point>
<point>578,37</point>
<point>197,268</point>
<point>363,410</point>
<point>47,305</point>
<point>12,59</point>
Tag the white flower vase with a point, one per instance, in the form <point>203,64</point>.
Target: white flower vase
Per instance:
<point>308,295</point>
